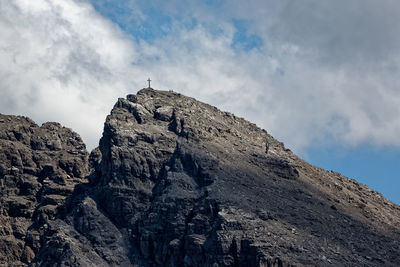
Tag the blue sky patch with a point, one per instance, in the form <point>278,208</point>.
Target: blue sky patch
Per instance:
<point>156,24</point>
<point>214,3</point>
<point>243,40</point>
<point>153,25</point>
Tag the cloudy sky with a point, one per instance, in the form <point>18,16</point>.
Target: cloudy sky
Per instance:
<point>321,76</point>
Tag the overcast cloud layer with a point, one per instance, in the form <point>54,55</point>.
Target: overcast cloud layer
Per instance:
<point>307,71</point>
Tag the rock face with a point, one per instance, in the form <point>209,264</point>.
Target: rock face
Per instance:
<point>176,182</point>
<point>39,167</point>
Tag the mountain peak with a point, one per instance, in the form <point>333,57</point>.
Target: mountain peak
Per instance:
<point>177,182</point>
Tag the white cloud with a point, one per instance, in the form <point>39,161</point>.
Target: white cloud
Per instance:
<point>61,61</point>
<point>326,72</point>
<point>331,74</point>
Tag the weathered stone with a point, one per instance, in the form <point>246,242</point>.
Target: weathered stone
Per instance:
<point>31,158</point>
<point>164,113</point>
<point>176,182</point>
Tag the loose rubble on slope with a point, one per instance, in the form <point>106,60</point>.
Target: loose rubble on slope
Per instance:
<point>176,182</point>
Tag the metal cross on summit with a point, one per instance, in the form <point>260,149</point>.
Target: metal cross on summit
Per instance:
<point>149,82</point>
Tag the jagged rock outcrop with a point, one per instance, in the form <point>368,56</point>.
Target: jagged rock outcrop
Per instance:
<point>39,167</point>
<point>176,182</point>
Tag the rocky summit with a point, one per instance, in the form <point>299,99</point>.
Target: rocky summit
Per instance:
<point>176,182</point>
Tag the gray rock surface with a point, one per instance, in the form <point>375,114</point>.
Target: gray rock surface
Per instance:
<point>176,182</point>
<point>39,167</point>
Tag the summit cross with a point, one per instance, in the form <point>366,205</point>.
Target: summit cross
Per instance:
<point>149,81</point>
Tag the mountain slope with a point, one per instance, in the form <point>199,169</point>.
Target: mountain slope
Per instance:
<point>176,182</point>
<point>39,167</point>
